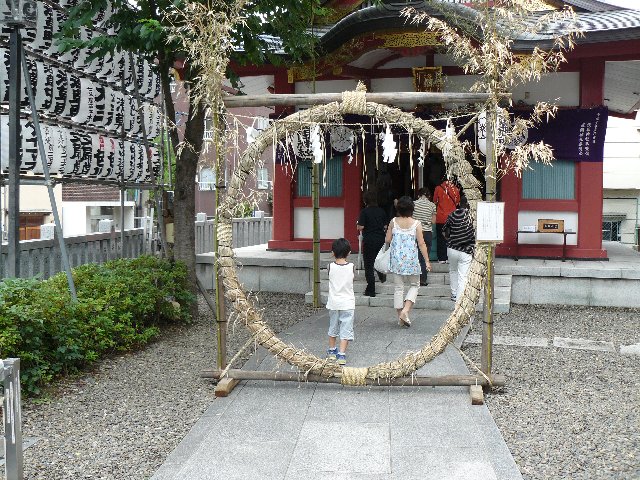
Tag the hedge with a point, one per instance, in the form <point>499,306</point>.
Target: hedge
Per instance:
<point>121,306</point>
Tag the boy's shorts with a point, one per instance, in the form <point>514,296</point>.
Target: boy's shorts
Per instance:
<point>341,324</point>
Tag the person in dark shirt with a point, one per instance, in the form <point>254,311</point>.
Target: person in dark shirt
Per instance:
<point>372,225</point>
<point>461,240</point>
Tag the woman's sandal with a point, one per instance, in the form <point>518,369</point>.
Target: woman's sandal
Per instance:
<point>403,319</point>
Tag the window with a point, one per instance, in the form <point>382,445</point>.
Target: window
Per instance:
<point>207,179</point>
<point>612,229</point>
<point>262,179</point>
<point>549,182</point>
<point>208,128</point>
<point>333,186</point>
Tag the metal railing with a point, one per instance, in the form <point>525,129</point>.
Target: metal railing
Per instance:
<point>246,232</point>
<point>12,415</point>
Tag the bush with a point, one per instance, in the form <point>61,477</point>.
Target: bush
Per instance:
<point>121,306</point>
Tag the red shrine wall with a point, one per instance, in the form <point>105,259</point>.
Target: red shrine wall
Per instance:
<point>585,209</point>
<point>285,204</point>
<point>587,205</point>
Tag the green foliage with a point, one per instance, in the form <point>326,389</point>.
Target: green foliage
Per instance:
<point>243,210</point>
<point>121,306</point>
<point>143,26</point>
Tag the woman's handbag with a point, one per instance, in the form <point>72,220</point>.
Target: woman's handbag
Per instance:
<point>381,263</point>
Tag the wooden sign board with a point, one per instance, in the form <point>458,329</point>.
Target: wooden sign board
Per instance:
<point>549,225</point>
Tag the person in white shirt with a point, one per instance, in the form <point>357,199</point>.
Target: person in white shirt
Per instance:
<point>342,301</point>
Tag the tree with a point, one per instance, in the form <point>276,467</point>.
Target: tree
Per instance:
<point>480,38</point>
<point>149,27</point>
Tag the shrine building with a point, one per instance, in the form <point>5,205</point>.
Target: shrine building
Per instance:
<point>375,45</point>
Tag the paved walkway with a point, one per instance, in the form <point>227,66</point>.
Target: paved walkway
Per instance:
<point>271,430</point>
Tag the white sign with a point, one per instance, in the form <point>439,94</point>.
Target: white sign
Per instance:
<point>490,222</point>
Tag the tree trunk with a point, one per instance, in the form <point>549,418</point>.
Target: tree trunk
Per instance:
<point>184,209</point>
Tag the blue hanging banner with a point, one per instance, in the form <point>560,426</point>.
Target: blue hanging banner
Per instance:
<point>575,134</point>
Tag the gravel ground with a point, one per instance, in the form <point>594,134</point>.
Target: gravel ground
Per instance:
<point>568,414</point>
<point>122,420</point>
<point>565,414</point>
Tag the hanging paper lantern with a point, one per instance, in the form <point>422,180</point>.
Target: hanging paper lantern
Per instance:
<point>86,158</point>
<point>60,89</point>
<point>106,69</point>
<point>47,140</point>
<point>45,28</point>
<point>30,155</point>
<point>117,69</point>
<point>4,79</point>
<point>32,75</point>
<point>301,143</point>
<point>97,156</point>
<point>154,86</point>
<point>45,83</point>
<point>114,110</point>
<point>94,65</point>
<point>57,18</point>
<point>141,169</point>
<point>128,71</point>
<point>74,153</point>
<point>502,131</point>
<point>74,89</point>
<point>131,118</point>
<point>129,160</point>
<point>119,159</point>
<point>156,161</point>
<point>146,79</point>
<point>110,150</point>
<point>100,105</point>
<point>87,102</point>
<point>59,155</point>
<point>103,16</point>
<point>60,160</point>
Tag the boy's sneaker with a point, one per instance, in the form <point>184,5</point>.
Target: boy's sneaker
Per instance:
<point>342,358</point>
<point>332,353</point>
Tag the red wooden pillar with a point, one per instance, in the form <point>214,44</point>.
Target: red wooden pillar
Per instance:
<point>510,187</point>
<point>282,205</point>
<point>352,198</point>
<point>589,174</point>
<point>282,182</point>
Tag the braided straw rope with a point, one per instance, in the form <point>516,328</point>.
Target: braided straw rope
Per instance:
<point>246,311</point>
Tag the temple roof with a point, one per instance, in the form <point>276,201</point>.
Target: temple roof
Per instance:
<point>604,23</point>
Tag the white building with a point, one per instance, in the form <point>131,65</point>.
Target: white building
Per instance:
<point>621,181</point>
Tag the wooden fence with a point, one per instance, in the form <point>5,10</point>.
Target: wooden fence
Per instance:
<point>246,232</point>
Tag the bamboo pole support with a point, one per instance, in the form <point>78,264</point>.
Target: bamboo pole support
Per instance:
<point>315,192</point>
<point>388,98</point>
<point>487,317</point>
<point>221,315</point>
<point>443,380</point>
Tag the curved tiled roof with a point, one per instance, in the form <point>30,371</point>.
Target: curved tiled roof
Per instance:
<point>599,26</point>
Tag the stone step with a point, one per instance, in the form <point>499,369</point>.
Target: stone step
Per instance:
<point>422,302</point>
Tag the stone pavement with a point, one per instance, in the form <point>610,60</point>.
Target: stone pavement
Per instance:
<point>279,430</point>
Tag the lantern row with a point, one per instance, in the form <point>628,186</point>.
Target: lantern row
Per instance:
<point>92,126</point>
<point>79,100</point>
<point>73,153</point>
